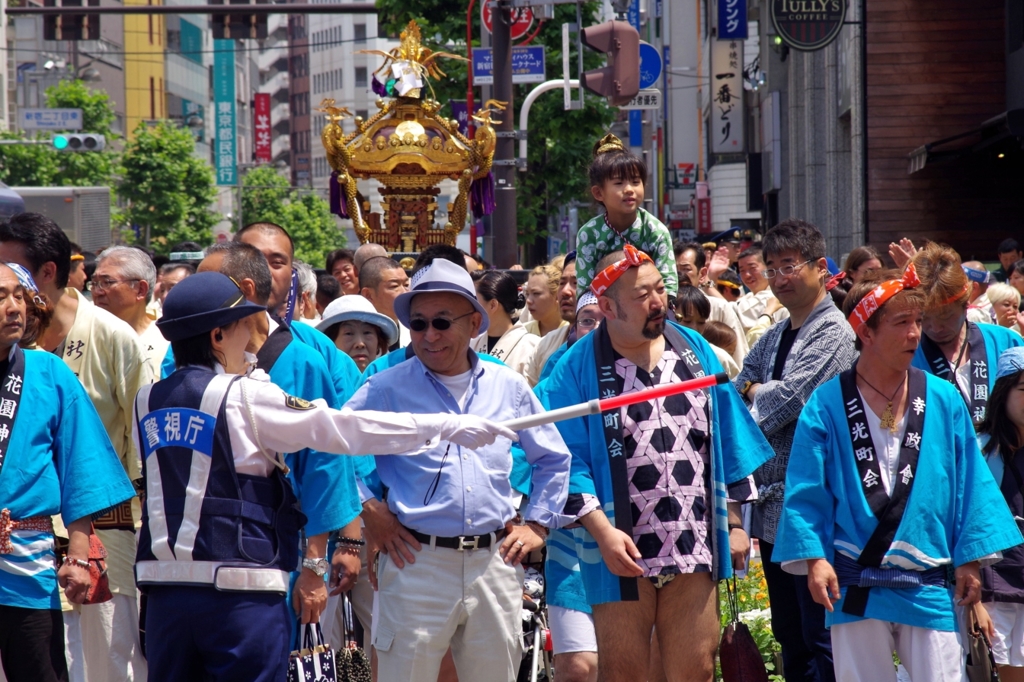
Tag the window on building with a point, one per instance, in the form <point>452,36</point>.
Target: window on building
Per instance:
<point>359,32</point>
<point>361,80</point>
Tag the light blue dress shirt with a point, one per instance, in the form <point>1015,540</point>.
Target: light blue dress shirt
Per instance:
<point>473,495</point>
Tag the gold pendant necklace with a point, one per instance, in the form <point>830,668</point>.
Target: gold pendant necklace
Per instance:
<point>888,420</point>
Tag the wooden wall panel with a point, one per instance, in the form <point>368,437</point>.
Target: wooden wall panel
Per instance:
<point>936,68</point>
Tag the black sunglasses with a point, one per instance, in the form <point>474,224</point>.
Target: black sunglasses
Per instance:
<point>438,323</point>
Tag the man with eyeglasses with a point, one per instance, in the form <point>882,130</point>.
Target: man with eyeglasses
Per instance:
<point>107,357</point>
<point>123,285</point>
<point>781,371</point>
<point>455,579</point>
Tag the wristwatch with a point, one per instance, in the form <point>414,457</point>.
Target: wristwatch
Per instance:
<point>319,566</point>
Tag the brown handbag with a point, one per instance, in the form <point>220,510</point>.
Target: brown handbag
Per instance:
<point>99,588</point>
<point>740,658</point>
<point>981,664</point>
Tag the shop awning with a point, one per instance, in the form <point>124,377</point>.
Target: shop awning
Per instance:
<point>991,132</point>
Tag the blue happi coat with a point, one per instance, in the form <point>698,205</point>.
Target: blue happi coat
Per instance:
<point>563,584</point>
<point>737,448</point>
<point>997,339</point>
<point>955,513</point>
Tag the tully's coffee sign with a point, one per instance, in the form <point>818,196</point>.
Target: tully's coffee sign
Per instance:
<point>808,24</point>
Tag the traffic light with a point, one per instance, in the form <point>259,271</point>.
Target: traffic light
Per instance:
<point>239,26</point>
<point>78,142</point>
<point>71,26</point>
<point>619,81</point>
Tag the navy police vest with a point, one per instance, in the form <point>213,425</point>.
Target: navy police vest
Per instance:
<point>203,523</point>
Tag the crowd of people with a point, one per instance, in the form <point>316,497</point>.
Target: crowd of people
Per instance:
<point>246,446</point>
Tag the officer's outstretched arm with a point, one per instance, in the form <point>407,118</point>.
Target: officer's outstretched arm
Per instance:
<point>284,423</point>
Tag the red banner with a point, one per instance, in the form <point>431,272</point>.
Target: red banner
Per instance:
<point>261,128</point>
<point>704,215</point>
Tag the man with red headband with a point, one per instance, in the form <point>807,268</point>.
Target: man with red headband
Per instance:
<point>961,352</point>
<point>656,484</point>
<point>890,509</point>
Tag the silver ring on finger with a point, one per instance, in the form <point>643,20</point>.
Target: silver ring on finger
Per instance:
<point>520,543</point>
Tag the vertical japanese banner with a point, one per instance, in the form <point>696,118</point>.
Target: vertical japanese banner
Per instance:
<point>226,150</point>
<point>636,117</point>
<point>727,115</point>
<point>261,127</point>
<point>732,19</point>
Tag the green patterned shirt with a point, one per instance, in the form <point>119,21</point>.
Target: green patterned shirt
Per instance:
<point>596,239</point>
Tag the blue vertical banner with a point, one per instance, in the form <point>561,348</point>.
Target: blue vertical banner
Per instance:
<point>633,14</point>
<point>636,117</point>
<point>732,19</point>
<point>225,152</point>
<point>636,128</point>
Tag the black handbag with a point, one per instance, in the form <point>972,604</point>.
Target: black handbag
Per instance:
<point>314,662</point>
<point>738,653</point>
<point>352,662</point>
<point>981,664</point>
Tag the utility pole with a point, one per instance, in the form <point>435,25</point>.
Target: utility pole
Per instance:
<point>506,251</point>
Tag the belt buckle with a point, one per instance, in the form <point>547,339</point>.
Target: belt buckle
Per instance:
<point>463,545</point>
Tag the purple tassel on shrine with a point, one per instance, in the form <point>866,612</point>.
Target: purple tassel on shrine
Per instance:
<point>378,87</point>
<point>338,206</point>
<point>481,196</point>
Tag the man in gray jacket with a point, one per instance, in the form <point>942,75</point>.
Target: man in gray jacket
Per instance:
<point>779,374</point>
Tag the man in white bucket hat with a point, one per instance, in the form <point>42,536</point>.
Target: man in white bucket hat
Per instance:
<point>448,573</point>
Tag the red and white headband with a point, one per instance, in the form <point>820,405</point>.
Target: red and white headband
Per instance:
<point>607,277</point>
<point>880,294</point>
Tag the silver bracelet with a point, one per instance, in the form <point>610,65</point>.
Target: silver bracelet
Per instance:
<point>81,563</point>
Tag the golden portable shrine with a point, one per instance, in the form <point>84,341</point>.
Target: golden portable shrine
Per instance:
<point>409,149</point>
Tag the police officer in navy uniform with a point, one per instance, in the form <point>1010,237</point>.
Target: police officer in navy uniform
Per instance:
<point>220,527</point>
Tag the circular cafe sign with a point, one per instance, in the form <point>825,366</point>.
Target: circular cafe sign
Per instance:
<point>808,24</point>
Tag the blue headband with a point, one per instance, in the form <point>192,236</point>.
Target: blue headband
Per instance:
<point>979,276</point>
<point>24,277</point>
<point>1010,362</point>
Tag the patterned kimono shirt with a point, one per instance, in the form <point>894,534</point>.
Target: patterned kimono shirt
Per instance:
<point>667,457</point>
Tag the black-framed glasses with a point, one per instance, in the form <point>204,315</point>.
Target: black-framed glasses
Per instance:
<point>785,270</point>
<point>439,323</point>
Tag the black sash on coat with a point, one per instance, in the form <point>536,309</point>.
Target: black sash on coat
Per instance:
<point>10,399</point>
<point>888,509</point>
<point>273,347</point>
<point>979,369</point>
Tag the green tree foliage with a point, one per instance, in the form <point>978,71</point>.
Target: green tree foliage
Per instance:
<point>42,166</point>
<point>268,196</point>
<point>166,187</point>
<point>560,142</point>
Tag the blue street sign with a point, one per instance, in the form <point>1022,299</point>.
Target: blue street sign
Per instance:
<point>50,119</point>
<point>732,19</point>
<point>527,65</point>
<point>650,65</point>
